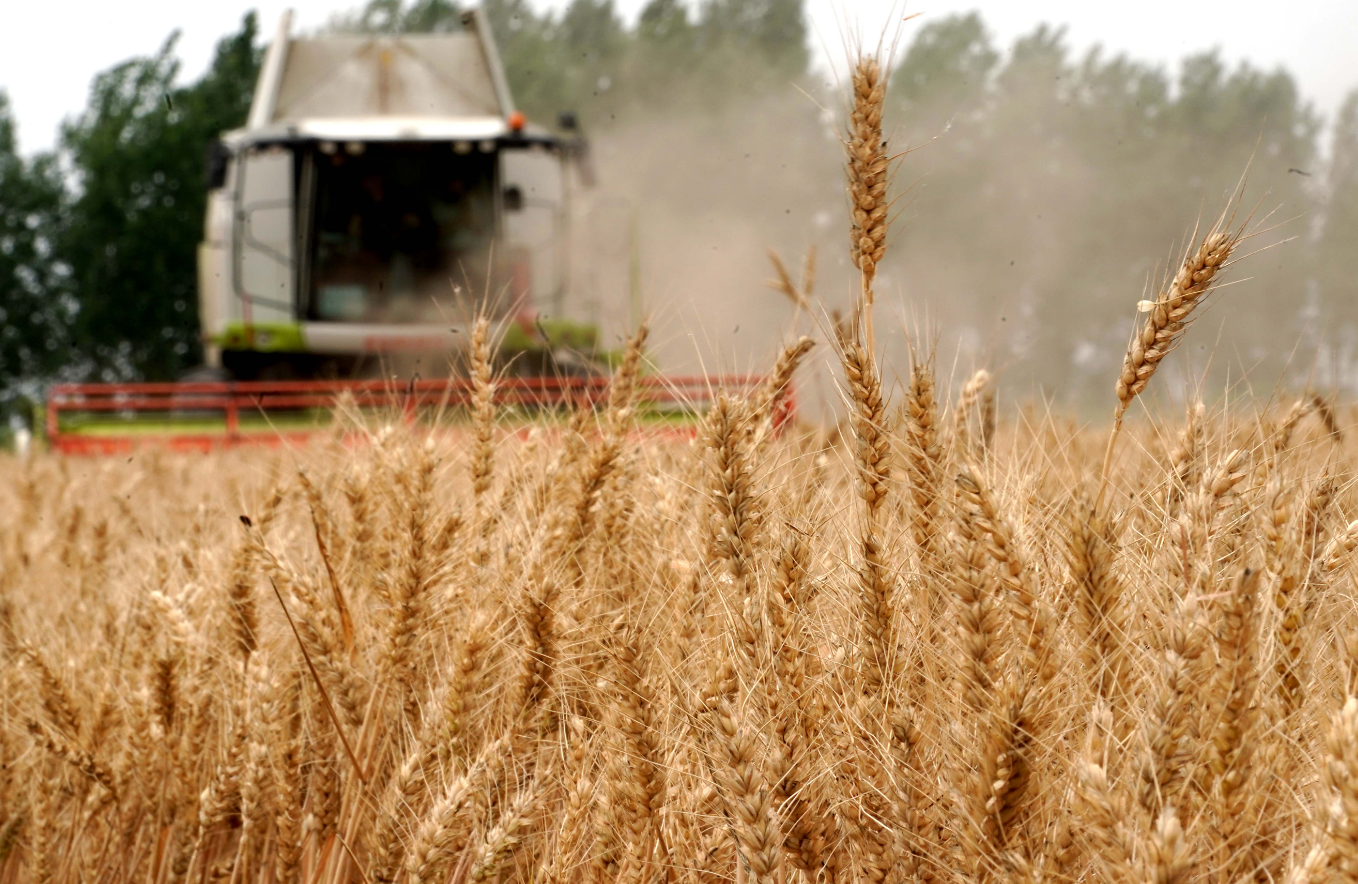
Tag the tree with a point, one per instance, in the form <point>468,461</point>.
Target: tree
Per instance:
<point>587,60</point>
<point>1337,251</point>
<point>394,17</point>
<point>137,215</point>
<point>664,22</point>
<point>774,29</point>
<point>35,309</point>
<point>592,43</point>
<point>666,41</point>
<point>947,67</point>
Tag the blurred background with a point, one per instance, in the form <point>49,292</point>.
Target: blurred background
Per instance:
<point>1059,154</point>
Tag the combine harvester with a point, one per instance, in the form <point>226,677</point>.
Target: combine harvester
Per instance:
<point>382,189</point>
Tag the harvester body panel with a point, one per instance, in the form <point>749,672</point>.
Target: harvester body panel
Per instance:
<point>382,189</point>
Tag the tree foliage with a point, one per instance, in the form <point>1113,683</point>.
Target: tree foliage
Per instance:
<point>1337,249</point>
<point>35,314</point>
<point>587,60</point>
<point>136,217</point>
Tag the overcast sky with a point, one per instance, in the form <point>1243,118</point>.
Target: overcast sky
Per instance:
<point>50,49</point>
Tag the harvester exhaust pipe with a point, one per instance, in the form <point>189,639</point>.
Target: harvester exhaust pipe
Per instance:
<point>271,74</point>
<point>473,21</point>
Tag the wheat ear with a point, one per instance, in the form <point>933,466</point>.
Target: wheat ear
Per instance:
<point>1167,748</point>
<point>1185,460</point>
<point>995,797</point>
<point>873,458</point>
<point>924,463</point>
<point>483,410</point>
<point>1232,743</point>
<point>1170,314</point>
<point>411,595</point>
<point>978,611</point>
<point>1104,809</point>
<point>735,506</point>
<point>747,792</point>
<point>782,282</point>
<point>871,427</point>
<point>973,393</point>
<point>1014,573</point>
<point>1168,318</point>
<point>1325,411</point>
<point>442,834</point>
<point>809,273</point>
<point>868,171</point>
<point>636,776</point>
<point>1167,860</point>
<point>241,610</point>
<point>776,388</point>
<point>1290,554</point>
<point>1098,599</point>
<point>622,390</point>
<point>805,827</point>
<point>1340,772</point>
<point>506,834</point>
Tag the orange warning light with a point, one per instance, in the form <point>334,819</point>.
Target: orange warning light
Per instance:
<point>517,121</point>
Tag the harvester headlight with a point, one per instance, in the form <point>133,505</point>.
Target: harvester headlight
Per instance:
<point>355,148</point>
<point>328,147</point>
<point>487,146</point>
<point>462,147</point>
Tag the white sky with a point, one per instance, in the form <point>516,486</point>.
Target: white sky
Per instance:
<point>49,51</point>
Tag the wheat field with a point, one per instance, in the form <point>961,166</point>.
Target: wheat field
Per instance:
<point>930,645</point>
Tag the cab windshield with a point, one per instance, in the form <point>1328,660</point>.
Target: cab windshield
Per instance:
<point>400,233</point>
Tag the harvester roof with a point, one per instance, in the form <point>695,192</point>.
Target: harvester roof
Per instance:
<point>408,87</point>
<point>443,75</point>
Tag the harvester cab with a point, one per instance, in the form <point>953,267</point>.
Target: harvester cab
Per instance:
<point>383,188</point>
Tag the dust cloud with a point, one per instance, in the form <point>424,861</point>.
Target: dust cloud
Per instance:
<point>1020,242</point>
